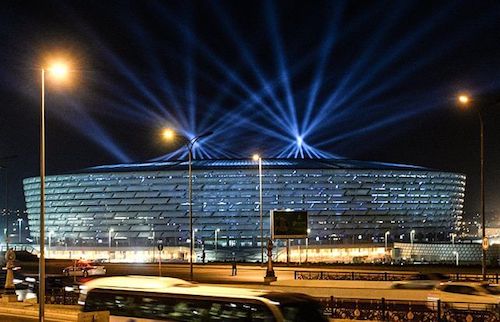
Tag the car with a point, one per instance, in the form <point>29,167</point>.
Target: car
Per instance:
<point>421,281</point>
<point>85,269</point>
<point>466,296</point>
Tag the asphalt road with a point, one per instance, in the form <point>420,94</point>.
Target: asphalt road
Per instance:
<point>252,276</point>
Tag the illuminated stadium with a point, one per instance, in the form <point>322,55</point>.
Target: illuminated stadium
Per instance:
<point>348,202</point>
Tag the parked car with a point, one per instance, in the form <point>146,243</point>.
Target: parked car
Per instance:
<point>467,295</point>
<point>421,281</point>
<point>85,269</point>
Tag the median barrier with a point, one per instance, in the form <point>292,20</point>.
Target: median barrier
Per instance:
<point>67,313</point>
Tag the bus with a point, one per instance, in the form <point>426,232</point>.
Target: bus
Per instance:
<point>151,299</point>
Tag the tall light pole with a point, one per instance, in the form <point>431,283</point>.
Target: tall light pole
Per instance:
<point>257,157</point>
<point>412,236</point>
<point>307,245</point>
<point>216,233</point>
<point>194,236</point>
<point>169,134</point>
<point>20,222</point>
<point>58,70</point>
<point>387,233</point>
<point>465,100</point>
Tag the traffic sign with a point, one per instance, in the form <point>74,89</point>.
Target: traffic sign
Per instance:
<point>160,247</point>
<point>486,243</point>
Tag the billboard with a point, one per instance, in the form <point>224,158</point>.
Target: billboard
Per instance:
<point>288,224</point>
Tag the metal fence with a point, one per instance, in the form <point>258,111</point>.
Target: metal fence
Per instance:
<point>66,295</point>
<point>383,276</point>
<point>421,311</point>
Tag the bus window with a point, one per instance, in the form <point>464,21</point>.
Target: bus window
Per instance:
<point>170,307</point>
<point>116,303</point>
<point>298,307</point>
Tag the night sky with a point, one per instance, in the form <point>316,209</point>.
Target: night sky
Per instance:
<point>368,80</point>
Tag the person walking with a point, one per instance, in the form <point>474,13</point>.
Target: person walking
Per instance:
<point>234,269</point>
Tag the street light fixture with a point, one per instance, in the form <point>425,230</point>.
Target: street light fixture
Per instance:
<point>257,157</point>
<point>59,71</point>
<point>453,235</point>
<point>169,134</point>
<point>465,100</point>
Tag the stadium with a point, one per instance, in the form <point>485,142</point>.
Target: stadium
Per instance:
<point>130,207</point>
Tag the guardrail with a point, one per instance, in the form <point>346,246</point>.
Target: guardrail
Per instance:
<point>18,248</point>
<point>397,310</point>
<point>354,276</point>
<point>383,276</point>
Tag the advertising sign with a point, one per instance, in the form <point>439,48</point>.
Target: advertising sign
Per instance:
<point>288,224</point>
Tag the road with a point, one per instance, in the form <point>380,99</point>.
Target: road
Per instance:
<point>252,276</point>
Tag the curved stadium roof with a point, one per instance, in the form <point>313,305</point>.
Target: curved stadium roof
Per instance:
<point>248,163</point>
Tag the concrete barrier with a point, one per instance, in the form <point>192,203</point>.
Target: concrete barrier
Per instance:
<point>67,313</point>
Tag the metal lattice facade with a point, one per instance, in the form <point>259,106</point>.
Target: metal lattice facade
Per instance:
<point>347,201</point>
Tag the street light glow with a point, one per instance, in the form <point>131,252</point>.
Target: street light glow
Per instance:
<point>463,99</point>
<point>168,134</point>
<point>59,70</point>
<point>256,157</point>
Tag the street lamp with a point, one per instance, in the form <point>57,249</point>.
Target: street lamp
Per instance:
<point>307,244</point>
<point>216,233</point>
<point>257,157</point>
<point>387,233</point>
<point>59,71</point>
<point>453,235</point>
<point>194,236</point>
<point>20,222</point>
<point>169,134</point>
<point>412,236</point>
<point>465,100</point>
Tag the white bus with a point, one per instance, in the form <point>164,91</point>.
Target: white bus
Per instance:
<point>148,299</point>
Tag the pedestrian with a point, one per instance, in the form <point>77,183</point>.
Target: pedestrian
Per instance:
<point>234,269</point>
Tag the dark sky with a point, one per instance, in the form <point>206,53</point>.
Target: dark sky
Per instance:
<point>369,80</point>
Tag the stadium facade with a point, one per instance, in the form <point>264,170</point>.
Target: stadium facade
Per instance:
<point>136,205</point>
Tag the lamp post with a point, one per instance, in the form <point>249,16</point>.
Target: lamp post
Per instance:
<point>20,222</point>
<point>465,100</point>
<point>189,146</point>
<point>169,134</point>
<point>307,245</point>
<point>387,233</point>
<point>193,236</point>
<point>412,236</point>
<point>257,157</point>
<point>216,233</point>
<point>58,70</point>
